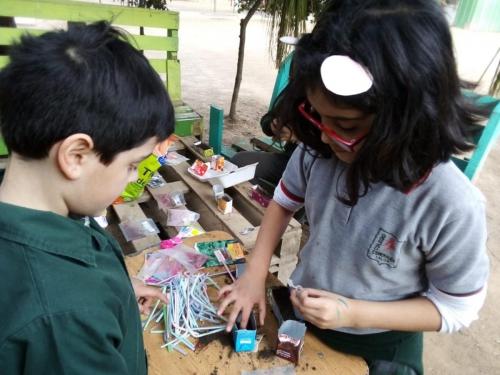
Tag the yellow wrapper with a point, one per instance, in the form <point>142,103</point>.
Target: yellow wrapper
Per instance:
<point>145,172</point>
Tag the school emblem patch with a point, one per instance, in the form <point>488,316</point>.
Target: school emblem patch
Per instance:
<point>385,249</point>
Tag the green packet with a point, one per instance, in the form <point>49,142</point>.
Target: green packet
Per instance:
<point>232,251</point>
<point>145,172</point>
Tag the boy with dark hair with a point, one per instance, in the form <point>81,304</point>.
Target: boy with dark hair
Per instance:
<point>79,109</point>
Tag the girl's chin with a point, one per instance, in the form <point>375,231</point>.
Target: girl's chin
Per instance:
<point>346,157</point>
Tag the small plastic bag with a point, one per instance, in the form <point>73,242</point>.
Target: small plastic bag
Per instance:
<point>181,217</point>
<point>170,200</point>
<point>192,260</point>
<point>189,231</point>
<point>134,230</point>
<point>159,267</point>
<point>164,264</point>
<point>174,158</point>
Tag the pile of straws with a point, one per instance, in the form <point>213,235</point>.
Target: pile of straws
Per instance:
<point>190,314</point>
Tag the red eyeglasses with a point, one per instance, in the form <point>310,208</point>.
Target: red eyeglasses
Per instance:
<point>346,144</point>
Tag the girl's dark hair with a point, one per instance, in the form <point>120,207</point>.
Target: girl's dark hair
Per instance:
<point>421,116</point>
<point>89,80</point>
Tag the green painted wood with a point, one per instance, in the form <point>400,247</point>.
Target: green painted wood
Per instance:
<point>172,33</point>
<point>3,147</point>
<point>160,65</point>
<point>216,128</point>
<point>174,79</point>
<point>485,143</point>
<point>88,12</point>
<point>228,152</point>
<point>460,163</point>
<point>9,35</point>
<point>3,61</point>
<point>281,78</point>
<point>478,15</point>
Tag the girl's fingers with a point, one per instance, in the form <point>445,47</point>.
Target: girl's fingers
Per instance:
<point>245,314</point>
<point>232,317</point>
<point>262,312</point>
<point>224,290</point>
<point>230,298</point>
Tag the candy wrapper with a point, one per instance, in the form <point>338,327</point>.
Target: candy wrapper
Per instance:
<point>147,169</point>
<point>232,251</point>
<point>164,264</point>
<point>199,167</point>
<point>217,163</point>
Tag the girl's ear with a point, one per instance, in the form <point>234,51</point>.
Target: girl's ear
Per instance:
<point>73,154</point>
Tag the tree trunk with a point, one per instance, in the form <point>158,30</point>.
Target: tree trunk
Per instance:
<point>241,57</point>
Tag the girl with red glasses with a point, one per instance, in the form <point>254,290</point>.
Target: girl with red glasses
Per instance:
<point>397,242</point>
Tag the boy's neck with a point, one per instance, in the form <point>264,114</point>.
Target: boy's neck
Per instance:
<point>33,184</point>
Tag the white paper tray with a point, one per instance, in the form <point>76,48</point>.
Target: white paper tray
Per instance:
<point>236,177</point>
<point>211,173</point>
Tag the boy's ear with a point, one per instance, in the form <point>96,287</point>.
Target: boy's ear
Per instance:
<point>74,153</point>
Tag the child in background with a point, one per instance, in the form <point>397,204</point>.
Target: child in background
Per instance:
<point>397,241</point>
<point>79,111</point>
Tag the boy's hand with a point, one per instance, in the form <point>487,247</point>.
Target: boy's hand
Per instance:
<point>244,293</point>
<point>146,295</point>
<point>323,309</point>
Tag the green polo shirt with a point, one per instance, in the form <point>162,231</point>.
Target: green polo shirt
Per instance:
<point>67,304</point>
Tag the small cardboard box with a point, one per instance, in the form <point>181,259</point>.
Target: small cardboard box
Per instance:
<point>291,340</point>
<point>204,149</point>
<point>244,339</point>
<point>225,204</point>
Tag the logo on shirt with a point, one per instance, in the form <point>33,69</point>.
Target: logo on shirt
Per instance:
<point>385,249</point>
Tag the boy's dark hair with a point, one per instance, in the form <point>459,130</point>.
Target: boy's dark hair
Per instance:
<point>89,80</point>
<point>421,116</point>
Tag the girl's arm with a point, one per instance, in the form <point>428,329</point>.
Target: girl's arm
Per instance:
<point>249,289</point>
<point>330,310</point>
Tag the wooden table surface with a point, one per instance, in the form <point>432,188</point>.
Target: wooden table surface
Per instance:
<point>217,357</point>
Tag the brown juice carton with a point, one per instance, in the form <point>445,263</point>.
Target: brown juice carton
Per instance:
<point>291,340</point>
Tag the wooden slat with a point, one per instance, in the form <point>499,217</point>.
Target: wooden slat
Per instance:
<point>242,191</point>
<point>188,143</point>
<point>159,65</point>
<point>9,35</point>
<point>77,11</point>
<point>174,79</point>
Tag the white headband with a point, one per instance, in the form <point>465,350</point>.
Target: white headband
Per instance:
<point>290,40</point>
<point>344,76</point>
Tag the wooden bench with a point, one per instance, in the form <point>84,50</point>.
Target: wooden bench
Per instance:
<point>242,223</point>
<point>160,42</point>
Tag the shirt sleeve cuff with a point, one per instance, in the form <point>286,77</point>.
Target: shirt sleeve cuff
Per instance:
<point>287,199</point>
<point>457,312</point>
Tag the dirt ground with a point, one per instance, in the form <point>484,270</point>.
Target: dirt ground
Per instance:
<point>208,53</point>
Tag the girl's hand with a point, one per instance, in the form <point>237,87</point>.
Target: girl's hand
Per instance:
<point>146,295</point>
<point>323,309</point>
<point>244,293</point>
